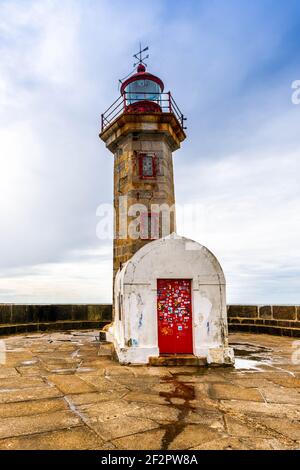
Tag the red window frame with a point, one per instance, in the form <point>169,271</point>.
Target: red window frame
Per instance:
<point>154,165</point>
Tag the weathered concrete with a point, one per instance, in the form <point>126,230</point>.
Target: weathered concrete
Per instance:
<point>88,401</point>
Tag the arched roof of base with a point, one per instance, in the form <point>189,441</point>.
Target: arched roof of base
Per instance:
<point>170,257</point>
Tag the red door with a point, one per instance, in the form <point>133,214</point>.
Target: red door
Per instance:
<point>174,311</point>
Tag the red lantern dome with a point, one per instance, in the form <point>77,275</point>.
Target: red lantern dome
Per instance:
<point>142,91</point>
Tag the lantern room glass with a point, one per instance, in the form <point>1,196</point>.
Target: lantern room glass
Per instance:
<point>141,90</point>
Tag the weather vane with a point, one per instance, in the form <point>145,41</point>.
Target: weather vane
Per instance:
<point>139,56</point>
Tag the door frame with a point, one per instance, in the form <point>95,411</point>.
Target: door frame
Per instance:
<point>169,278</point>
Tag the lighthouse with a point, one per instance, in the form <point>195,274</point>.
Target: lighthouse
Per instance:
<point>169,299</point>
<point>142,129</point>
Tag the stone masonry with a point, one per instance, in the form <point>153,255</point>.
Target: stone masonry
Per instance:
<point>129,135</point>
<point>281,320</point>
<point>127,182</point>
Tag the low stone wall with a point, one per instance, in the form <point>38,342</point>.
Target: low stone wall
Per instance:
<point>15,318</point>
<point>281,320</point>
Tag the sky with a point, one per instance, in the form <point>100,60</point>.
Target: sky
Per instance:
<point>230,65</point>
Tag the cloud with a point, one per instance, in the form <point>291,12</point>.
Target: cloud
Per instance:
<point>230,70</point>
<point>82,278</point>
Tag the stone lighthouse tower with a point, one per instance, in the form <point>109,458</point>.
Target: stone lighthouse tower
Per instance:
<point>142,129</point>
<point>169,292</point>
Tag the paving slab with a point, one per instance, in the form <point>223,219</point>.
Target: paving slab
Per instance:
<point>69,384</point>
<point>28,394</point>
<point>223,443</point>
<point>13,383</point>
<point>278,394</point>
<point>8,372</point>
<point>142,397</point>
<point>285,380</point>
<point>94,397</point>
<point>78,438</point>
<point>101,383</point>
<point>193,435</point>
<point>158,413</point>
<point>32,407</point>
<point>32,371</point>
<point>289,428</point>
<point>232,392</point>
<point>238,428</point>
<point>148,440</point>
<point>265,444</point>
<point>261,409</point>
<point>11,427</point>
<point>106,411</point>
<point>123,426</point>
<point>212,419</point>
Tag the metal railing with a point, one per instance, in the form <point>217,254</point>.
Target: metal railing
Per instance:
<point>128,103</point>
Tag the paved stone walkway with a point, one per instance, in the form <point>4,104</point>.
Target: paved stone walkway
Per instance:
<point>62,391</point>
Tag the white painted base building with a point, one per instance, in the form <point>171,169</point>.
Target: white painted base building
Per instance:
<point>170,300</point>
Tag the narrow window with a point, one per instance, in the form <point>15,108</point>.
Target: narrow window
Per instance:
<point>147,165</point>
<point>149,225</point>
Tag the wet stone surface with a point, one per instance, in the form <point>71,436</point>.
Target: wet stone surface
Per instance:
<point>63,391</point>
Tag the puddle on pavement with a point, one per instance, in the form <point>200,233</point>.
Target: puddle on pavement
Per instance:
<point>82,333</point>
<point>251,357</point>
<point>63,371</point>
<point>85,369</point>
<point>35,336</point>
<point>29,363</point>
